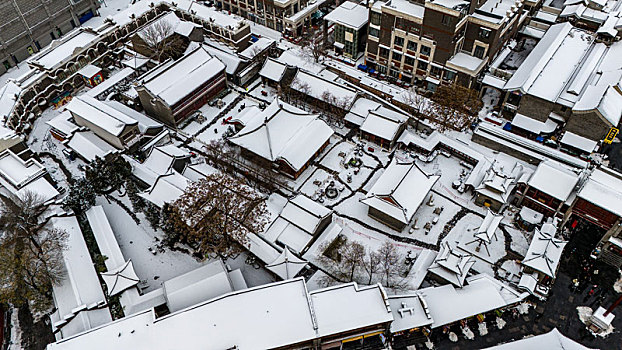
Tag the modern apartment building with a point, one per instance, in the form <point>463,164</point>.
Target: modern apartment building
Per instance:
<point>287,16</point>
<point>429,42</point>
<point>29,25</point>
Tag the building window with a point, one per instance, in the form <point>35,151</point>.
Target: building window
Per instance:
<point>446,20</point>
<point>384,53</point>
<point>397,56</point>
<point>374,32</point>
<point>425,50</point>
<point>394,73</point>
<point>449,75</point>
<point>479,51</point>
<point>409,61</point>
<point>73,24</point>
<point>52,36</point>
<point>6,64</point>
<point>422,65</point>
<point>59,32</point>
<point>435,71</point>
<point>382,69</point>
<point>375,18</point>
<point>398,41</point>
<point>412,46</point>
<point>483,33</point>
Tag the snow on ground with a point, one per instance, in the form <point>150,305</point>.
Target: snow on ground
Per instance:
<point>252,275</point>
<point>218,129</point>
<point>334,161</point>
<point>450,170</point>
<point>519,243</point>
<point>271,93</point>
<point>425,214</point>
<point>134,241</point>
<point>510,271</point>
<point>209,113</point>
<point>316,184</point>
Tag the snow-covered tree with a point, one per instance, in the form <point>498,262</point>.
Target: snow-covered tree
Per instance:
<point>81,196</point>
<point>138,202</point>
<point>108,176</point>
<point>220,212</point>
<point>456,106</point>
<point>31,253</point>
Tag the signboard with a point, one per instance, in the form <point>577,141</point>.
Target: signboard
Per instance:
<point>613,132</point>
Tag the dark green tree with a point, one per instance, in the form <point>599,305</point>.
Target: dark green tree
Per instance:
<point>81,196</point>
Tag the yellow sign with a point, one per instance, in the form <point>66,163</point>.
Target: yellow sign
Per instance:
<point>613,132</point>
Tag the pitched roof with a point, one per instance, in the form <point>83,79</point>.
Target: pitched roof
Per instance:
<point>400,190</point>
<point>284,132</point>
<point>544,250</point>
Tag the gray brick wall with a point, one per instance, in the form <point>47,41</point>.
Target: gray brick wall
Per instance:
<point>28,22</point>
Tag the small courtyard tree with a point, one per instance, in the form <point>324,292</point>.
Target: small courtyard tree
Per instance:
<point>31,253</point>
<point>81,196</point>
<point>218,213</point>
<point>108,176</point>
<point>160,39</point>
<point>456,106</point>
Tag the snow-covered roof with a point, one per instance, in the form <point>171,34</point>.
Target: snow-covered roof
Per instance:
<point>120,279</point>
<point>172,23</point>
<point>204,283</point>
<point>530,215</point>
<point>19,176</point>
<point>578,142</point>
<point>604,189</point>
<point>464,61</point>
<point>451,265</point>
<point>554,179</point>
<point>553,340</point>
<point>383,123</point>
<point>196,172</point>
<point>89,70</point>
<point>256,48</point>
<point>533,125</point>
<point>544,250</point>
<point>323,90</point>
<point>105,238</point>
<point>231,61</point>
<point>349,306</point>
<point>284,132</point>
<point>100,114</point>
<point>287,265</point>
<point>273,69</point>
<point>297,223</point>
<point>482,293</point>
<point>409,311</point>
<point>111,82</point>
<point>487,230</point>
<point>184,76</point>
<point>79,299</point>
<point>360,109</point>
<point>404,6</point>
<point>144,122</point>
<point>63,124</point>
<point>63,49</point>
<point>269,316</point>
<point>550,65</point>
<point>8,99</point>
<point>349,14</point>
<point>400,190</point>
<point>607,100</point>
<point>166,189</point>
<point>159,162</point>
<point>90,146</point>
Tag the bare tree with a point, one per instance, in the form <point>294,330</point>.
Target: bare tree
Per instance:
<point>418,104</point>
<point>314,47</point>
<point>300,90</point>
<point>371,264</point>
<point>345,261</point>
<point>392,267</point>
<point>31,253</point>
<point>220,212</point>
<point>159,38</point>
<point>456,106</point>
